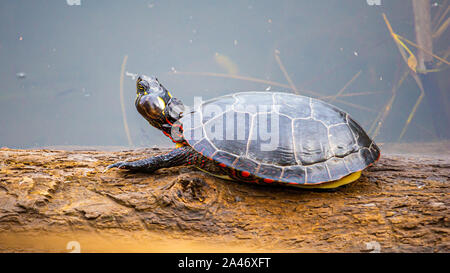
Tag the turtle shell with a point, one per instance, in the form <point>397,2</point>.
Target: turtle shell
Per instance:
<point>279,137</point>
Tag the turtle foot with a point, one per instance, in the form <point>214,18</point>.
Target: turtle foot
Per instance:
<point>134,166</point>
<point>119,165</point>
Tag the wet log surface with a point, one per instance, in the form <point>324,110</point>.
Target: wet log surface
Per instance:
<point>399,205</point>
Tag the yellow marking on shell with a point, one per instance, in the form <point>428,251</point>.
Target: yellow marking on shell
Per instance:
<point>327,185</point>
<point>334,184</point>
<point>145,93</point>
<point>168,93</point>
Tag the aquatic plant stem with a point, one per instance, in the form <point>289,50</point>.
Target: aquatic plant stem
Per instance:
<point>122,104</point>
<point>413,74</point>
<point>441,17</point>
<point>251,79</point>
<point>424,50</point>
<point>378,122</point>
<point>333,98</point>
<point>353,94</point>
<point>286,75</point>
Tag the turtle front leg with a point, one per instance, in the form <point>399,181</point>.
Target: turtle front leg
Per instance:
<point>177,157</point>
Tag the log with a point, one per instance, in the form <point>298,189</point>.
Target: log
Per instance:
<point>52,199</point>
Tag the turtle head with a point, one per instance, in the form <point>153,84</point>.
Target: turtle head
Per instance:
<point>155,103</point>
<point>146,84</point>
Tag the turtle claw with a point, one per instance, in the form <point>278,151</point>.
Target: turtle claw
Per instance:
<point>119,165</point>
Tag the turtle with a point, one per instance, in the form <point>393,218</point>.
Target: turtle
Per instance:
<point>261,137</point>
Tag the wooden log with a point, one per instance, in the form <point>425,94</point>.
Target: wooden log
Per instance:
<point>51,197</point>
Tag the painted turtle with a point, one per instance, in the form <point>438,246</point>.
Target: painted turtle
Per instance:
<point>261,137</point>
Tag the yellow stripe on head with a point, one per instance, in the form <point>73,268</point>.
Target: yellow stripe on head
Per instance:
<point>162,104</point>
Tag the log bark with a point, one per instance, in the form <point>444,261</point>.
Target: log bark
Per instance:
<point>51,197</point>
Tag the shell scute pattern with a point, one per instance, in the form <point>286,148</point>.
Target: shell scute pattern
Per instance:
<point>270,171</point>
<point>292,106</point>
<point>315,142</point>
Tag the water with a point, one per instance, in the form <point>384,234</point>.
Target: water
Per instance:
<point>60,62</point>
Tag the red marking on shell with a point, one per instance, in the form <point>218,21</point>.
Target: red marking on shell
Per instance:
<point>268,180</point>
<point>379,155</point>
<point>222,165</point>
<point>245,174</point>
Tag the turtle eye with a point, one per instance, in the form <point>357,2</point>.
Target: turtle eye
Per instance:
<point>142,86</point>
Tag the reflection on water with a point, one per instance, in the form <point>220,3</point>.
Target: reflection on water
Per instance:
<point>61,63</point>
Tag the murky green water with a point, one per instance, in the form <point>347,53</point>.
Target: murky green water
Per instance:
<point>60,63</point>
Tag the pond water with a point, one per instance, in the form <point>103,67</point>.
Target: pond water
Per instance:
<point>61,63</point>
